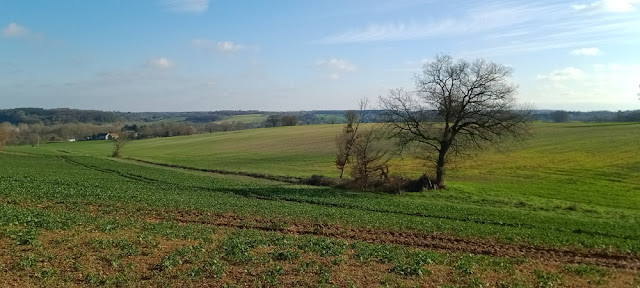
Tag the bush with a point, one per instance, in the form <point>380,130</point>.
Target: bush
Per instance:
<point>391,184</point>
<point>319,180</point>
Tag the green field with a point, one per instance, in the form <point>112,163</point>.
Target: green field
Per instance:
<point>590,164</point>
<point>570,187</point>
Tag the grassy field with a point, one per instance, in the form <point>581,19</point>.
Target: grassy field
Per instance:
<point>558,210</point>
<point>584,164</point>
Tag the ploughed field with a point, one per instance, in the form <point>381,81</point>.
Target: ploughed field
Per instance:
<point>560,209</point>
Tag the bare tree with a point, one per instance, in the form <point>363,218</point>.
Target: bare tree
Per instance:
<point>4,135</point>
<point>346,139</point>
<point>120,142</point>
<point>458,105</point>
<point>370,157</point>
<point>344,145</point>
<point>274,120</point>
<point>352,116</point>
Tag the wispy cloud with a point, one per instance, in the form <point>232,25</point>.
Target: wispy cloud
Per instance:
<point>592,51</point>
<point>391,31</point>
<point>507,27</point>
<point>192,6</point>
<point>336,67</point>
<point>160,63</point>
<point>616,6</point>
<point>568,73</point>
<point>487,17</point>
<point>228,47</point>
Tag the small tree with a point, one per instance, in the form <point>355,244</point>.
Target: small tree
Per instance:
<point>370,157</point>
<point>560,116</point>
<point>458,105</point>
<point>344,145</point>
<point>273,120</point>
<point>120,142</point>
<point>4,135</point>
<point>353,116</point>
<point>346,139</point>
<point>226,126</point>
<point>290,120</point>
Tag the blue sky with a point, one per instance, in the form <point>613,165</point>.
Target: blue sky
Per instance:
<point>196,55</point>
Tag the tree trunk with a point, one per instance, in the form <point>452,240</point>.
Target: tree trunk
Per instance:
<point>440,169</point>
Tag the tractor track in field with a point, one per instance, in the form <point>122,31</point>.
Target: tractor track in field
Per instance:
<point>285,179</point>
<point>436,241</point>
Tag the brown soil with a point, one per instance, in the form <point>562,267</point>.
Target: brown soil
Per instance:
<point>434,241</point>
<point>74,246</point>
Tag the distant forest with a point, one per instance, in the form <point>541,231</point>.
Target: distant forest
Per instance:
<point>33,126</point>
<point>64,116</point>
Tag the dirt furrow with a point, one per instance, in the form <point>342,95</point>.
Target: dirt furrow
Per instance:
<point>440,242</point>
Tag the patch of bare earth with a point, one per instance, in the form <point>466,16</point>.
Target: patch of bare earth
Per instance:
<point>77,253</point>
<point>312,270</point>
<point>435,241</point>
<point>439,242</point>
<point>73,255</point>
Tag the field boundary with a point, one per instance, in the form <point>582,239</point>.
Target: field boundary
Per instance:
<point>286,179</point>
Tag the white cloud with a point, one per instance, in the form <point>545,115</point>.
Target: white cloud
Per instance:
<point>160,63</point>
<point>588,6</point>
<point>220,46</point>
<point>15,30</point>
<point>568,73</point>
<point>592,51</point>
<point>616,6</point>
<point>601,83</point>
<point>621,5</point>
<point>228,46</point>
<point>193,6</point>
<point>336,67</point>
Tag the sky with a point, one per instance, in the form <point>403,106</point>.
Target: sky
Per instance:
<point>285,55</point>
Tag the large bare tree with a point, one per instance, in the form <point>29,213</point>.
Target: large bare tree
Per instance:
<point>458,105</point>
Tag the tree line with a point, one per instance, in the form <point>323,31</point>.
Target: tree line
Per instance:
<point>560,116</point>
<point>35,134</point>
<point>57,116</point>
<point>50,117</point>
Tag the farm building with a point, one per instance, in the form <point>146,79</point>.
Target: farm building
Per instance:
<point>106,136</point>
